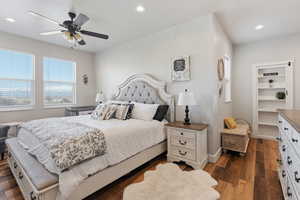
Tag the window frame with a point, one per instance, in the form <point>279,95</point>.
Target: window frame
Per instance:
<point>33,85</point>
<point>227,81</point>
<point>74,84</point>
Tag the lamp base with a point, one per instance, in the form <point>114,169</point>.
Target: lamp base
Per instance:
<point>187,119</point>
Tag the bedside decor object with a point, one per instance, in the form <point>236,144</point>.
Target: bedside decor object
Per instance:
<point>187,143</point>
<point>280,95</point>
<point>186,99</point>
<point>221,69</point>
<point>100,98</point>
<point>181,69</point>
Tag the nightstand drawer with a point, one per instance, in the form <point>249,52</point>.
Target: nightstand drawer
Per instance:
<point>183,142</point>
<point>183,153</point>
<point>182,133</point>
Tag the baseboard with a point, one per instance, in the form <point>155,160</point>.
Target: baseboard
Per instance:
<point>213,158</point>
<point>265,137</point>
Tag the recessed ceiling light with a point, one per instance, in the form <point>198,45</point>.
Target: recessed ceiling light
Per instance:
<point>140,9</point>
<point>259,27</point>
<point>11,20</point>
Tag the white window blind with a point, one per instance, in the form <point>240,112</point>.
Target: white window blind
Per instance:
<point>16,79</point>
<point>59,82</point>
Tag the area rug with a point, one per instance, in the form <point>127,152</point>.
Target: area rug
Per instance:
<point>169,182</point>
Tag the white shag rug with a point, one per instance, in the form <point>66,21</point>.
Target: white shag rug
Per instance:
<point>169,182</point>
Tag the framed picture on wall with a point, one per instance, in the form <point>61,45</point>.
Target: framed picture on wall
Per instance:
<point>181,69</point>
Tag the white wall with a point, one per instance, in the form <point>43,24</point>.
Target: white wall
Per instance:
<point>279,49</point>
<point>85,65</point>
<point>152,55</point>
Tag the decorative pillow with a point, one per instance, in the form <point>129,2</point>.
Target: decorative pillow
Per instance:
<point>144,111</point>
<point>230,123</point>
<point>104,112</point>
<point>123,111</point>
<point>161,112</point>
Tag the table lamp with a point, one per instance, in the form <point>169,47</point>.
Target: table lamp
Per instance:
<point>186,99</point>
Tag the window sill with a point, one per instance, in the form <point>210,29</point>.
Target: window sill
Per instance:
<point>58,106</point>
<point>13,109</point>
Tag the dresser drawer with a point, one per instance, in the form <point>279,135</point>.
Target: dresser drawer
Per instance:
<point>183,153</point>
<point>183,142</point>
<point>182,133</point>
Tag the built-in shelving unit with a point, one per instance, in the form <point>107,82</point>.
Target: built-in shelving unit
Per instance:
<point>269,80</point>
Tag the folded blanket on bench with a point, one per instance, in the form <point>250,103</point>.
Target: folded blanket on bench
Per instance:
<point>69,143</point>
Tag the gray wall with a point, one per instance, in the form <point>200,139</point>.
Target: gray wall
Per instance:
<point>152,55</point>
<point>277,49</point>
<point>85,65</point>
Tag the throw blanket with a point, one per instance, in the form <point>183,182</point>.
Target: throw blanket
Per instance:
<point>69,143</point>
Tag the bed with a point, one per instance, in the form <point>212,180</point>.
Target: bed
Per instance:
<point>130,144</point>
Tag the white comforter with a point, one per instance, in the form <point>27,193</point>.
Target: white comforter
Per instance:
<point>124,138</point>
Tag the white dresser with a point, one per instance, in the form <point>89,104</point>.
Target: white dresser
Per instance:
<point>289,148</point>
<point>187,143</point>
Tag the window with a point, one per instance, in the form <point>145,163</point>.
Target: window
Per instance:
<point>227,77</point>
<point>59,82</point>
<point>16,79</point>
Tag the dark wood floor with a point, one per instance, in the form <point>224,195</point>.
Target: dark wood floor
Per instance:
<point>240,178</point>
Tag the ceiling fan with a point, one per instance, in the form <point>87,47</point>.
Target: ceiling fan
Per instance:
<point>72,28</point>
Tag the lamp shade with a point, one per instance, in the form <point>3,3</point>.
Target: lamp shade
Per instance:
<point>99,97</point>
<point>186,99</point>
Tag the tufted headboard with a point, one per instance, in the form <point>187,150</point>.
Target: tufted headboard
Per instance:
<point>144,88</point>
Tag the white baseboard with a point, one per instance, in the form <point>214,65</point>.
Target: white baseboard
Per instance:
<point>213,158</point>
<point>265,137</point>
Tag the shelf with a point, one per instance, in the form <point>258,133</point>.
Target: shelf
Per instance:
<point>271,88</point>
<point>277,100</point>
<point>273,110</point>
<point>267,124</point>
<point>262,77</point>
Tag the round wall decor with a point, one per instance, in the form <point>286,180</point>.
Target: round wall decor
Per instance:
<point>221,69</point>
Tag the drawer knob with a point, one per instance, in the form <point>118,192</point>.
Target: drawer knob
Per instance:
<point>32,196</point>
<point>283,173</point>
<point>289,161</point>
<point>280,122</point>
<point>278,139</point>
<point>294,140</point>
<point>182,143</point>
<point>20,176</point>
<point>15,165</point>
<point>288,191</point>
<point>297,179</point>
<point>182,153</point>
<point>181,133</point>
<point>279,161</point>
<point>286,129</point>
<point>283,148</point>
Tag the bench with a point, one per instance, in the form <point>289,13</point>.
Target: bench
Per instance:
<point>35,182</point>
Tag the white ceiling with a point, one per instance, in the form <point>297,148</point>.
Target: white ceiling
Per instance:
<point>119,19</point>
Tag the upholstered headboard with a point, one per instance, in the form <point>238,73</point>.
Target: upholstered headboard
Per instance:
<point>144,88</point>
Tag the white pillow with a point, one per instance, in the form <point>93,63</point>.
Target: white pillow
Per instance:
<point>144,111</point>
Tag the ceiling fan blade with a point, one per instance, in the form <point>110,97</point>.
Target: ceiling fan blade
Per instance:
<point>52,32</point>
<point>81,19</point>
<point>93,34</point>
<point>44,17</point>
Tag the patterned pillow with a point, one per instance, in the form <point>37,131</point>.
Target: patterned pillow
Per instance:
<point>123,111</point>
<point>104,112</point>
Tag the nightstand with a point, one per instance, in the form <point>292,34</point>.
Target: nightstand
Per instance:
<point>187,143</point>
<point>79,110</point>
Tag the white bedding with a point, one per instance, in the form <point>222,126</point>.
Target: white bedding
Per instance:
<point>124,138</point>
